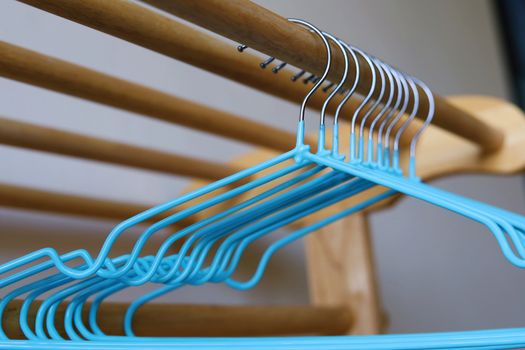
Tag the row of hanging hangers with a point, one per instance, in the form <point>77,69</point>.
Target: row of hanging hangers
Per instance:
<point>212,248</point>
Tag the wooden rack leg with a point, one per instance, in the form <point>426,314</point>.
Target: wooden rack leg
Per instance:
<point>341,272</point>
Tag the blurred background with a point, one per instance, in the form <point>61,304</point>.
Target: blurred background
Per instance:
<point>438,272</point>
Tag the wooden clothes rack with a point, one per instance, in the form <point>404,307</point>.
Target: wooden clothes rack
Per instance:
<point>340,265</point>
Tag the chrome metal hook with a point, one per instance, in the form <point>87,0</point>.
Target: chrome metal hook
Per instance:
<point>417,135</point>
<point>363,103</point>
<point>386,106</point>
<point>371,109</point>
<point>333,93</point>
<point>352,89</point>
<point>412,115</point>
<point>407,122</point>
<point>389,116</point>
<point>343,77</point>
<point>398,116</point>
<point>350,92</point>
<point>327,68</point>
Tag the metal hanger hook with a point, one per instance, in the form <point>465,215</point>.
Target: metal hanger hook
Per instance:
<point>363,103</point>
<point>401,111</point>
<point>415,109</point>
<point>399,92</point>
<point>335,131</point>
<point>357,78</point>
<point>428,120</point>
<point>372,108</point>
<point>343,77</point>
<point>387,105</point>
<point>327,68</point>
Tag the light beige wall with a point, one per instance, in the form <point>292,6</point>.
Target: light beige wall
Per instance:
<point>438,272</point>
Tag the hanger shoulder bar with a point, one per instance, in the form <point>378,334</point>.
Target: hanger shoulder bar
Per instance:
<point>30,136</point>
<point>170,320</point>
<point>51,73</point>
<point>250,24</point>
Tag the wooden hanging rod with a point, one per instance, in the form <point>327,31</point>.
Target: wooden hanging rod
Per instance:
<point>248,23</point>
<point>169,320</point>
<point>44,71</point>
<point>26,135</point>
<point>141,26</point>
<point>21,197</point>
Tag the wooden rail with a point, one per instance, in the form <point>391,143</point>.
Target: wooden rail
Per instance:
<point>44,71</point>
<point>170,320</point>
<point>248,23</point>
<point>27,198</point>
<point>26,135</point>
